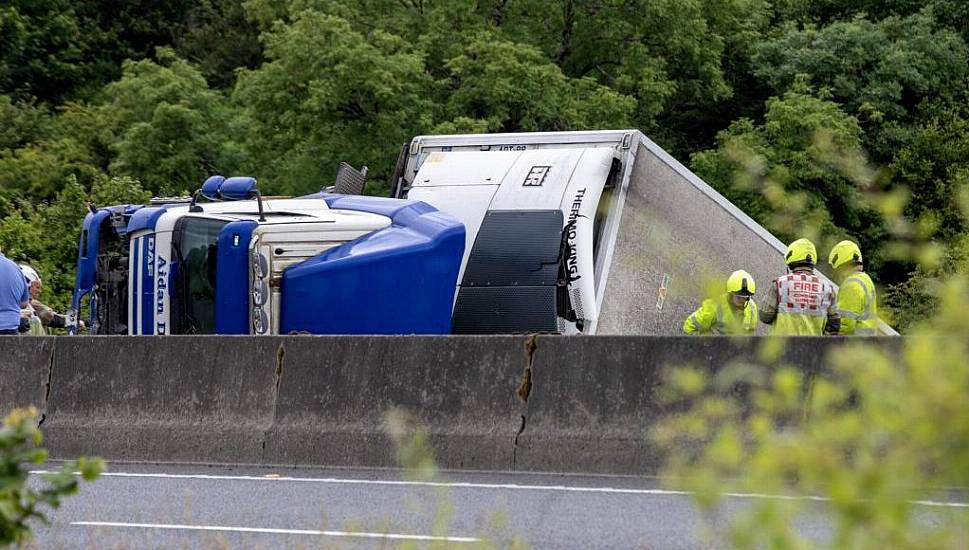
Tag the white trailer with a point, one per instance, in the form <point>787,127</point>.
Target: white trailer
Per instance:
<point>596,232</point>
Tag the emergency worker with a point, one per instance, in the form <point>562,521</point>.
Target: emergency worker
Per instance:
<point>47,316</point>
<point>857,303</point>
<point>734,312</point>
<point>800,303</point>
<point>13,295</point>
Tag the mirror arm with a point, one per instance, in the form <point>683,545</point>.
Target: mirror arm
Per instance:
<point>192,207</point>
<point>262,217</point>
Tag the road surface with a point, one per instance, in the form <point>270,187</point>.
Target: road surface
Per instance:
<point>182,506</point>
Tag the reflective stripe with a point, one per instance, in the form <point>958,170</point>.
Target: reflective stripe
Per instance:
<point>719,328</point>
<point>809,312</point>
<point>750,321</point>
<point>866,321</point>
<point>849,314</point>
<point>867,315</point>
<point>696,322</point>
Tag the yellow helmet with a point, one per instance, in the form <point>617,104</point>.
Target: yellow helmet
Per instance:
<point>740,282</point>
<point>801,251</point>
<point>844,252</point>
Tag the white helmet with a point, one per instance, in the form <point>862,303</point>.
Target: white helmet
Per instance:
<point>29,273</point>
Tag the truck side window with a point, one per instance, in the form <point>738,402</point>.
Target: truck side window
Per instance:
<point>195,248</point>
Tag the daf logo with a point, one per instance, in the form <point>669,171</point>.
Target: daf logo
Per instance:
<point>150,256</point>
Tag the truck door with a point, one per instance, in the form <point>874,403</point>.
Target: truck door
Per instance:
<point>195,243</point>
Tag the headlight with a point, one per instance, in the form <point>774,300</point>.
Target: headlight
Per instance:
<point>260,292</point>
<point>260,264</point>
<point>260,321</point>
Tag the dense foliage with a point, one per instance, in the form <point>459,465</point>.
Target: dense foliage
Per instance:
<point>867,442</point>
<point>829,103</point>
<point>865,439</point>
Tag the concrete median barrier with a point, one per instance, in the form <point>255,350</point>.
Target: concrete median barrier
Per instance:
<point>546,403</point>
<point>335,393</point>
<point>25,366</point>
<point>191,399</point>
<point>593,400</point>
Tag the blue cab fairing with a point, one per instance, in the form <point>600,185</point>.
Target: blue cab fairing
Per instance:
<point>398,280</point>
<point>89,245</point>
<point>232,278</point>
<point>147,218</point>
<point>87,256</point>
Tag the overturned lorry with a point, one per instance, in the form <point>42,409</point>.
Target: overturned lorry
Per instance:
<point>320,264</point>
<point>564,232</point>
<point>596,232</point>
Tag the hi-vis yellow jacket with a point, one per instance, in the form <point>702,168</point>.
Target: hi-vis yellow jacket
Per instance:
<point>858,305</point>
<point>720,317</point>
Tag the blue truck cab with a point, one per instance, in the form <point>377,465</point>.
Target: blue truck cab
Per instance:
<point>320,264</point>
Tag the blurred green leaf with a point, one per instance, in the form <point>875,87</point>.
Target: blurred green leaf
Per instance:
<point>21,504</point>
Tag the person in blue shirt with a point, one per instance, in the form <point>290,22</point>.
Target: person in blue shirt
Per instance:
<point>13,295</point>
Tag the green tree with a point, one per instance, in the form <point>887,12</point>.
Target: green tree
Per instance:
<point>41,49</point>
<point>513,87</point>
<point>918,298</point>
<point>331,94</point>
<point>219,38</point>
<point>934,168</point>
<point>45,235</point>
<point>172,130</point>
<point>22,123</point>
<point>867,437</point>
<point>40,149</point>
<point>872,435</point>
<point>37,170</point>
<point>59,50</point>
<point>880,71</point>
<point>668,56</point>
<point>953,14</point>
<point>786,176</point>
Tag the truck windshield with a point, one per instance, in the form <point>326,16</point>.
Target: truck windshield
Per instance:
<point>195,248</point>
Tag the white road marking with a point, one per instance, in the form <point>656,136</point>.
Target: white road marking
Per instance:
<point>500,486</point>
<point>940,504</point>
<point>222,528</point>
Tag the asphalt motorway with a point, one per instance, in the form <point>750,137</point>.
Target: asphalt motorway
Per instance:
<point>186,506</point>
